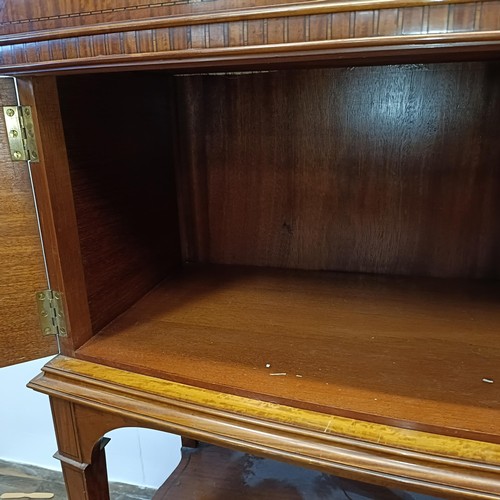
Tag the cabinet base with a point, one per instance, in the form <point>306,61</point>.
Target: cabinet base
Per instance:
<point>90,399</point>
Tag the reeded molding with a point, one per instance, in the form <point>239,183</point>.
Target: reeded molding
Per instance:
<point>216,34</point>
<point>209,17</point>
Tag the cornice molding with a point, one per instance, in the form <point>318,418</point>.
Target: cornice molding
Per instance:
<point>301,32</point>
<point>222,16</point>
<point>358,49</point>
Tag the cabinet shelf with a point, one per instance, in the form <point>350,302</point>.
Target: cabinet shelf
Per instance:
<point>421,353</point>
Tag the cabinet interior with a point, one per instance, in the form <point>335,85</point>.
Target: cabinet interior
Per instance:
<point>325,238</point>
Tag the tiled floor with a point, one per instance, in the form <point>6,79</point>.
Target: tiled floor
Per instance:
<point>28,479</point>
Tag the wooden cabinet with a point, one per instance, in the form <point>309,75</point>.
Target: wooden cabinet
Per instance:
<point>280,235</point>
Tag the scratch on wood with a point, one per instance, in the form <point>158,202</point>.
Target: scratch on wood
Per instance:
<point>327,428</point>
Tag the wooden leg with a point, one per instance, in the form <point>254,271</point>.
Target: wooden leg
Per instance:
<point>82,458</point>
<point>189,442</point>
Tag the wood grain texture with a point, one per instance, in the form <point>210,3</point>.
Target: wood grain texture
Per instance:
<point>354,51</point>
<point>331,30</point>
<point>64,16</point>
<point>209,472</point>
<point>52,186</point>
<point>22,270</point>
<point>83,480</point>
<point>393,350</point>
<point>352,169</point>
<point>124,190</point>
<point>106,398</point>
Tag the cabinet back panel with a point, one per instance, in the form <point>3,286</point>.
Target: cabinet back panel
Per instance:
<point>389,169</point>
<point>124,187</point>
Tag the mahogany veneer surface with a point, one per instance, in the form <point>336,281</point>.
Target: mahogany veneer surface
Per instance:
<point>388,169</point>
<point>120,188</point>
<point>22,271</point>
<point>69,35</point>
<point>413,352</point>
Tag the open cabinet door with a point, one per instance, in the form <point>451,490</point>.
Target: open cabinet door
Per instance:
<point>22,270</point>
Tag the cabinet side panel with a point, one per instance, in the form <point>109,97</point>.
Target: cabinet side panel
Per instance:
<point>118,137</point>
<point>385,169</point>
<point>22,269</point>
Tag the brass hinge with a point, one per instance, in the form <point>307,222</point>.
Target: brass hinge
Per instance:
<point>51,312</point>
<point>21,133</point>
